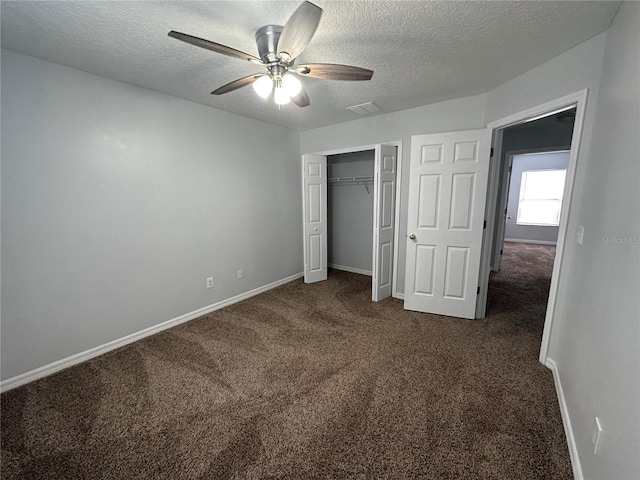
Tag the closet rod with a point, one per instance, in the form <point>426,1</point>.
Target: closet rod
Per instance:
<point>351,179</point>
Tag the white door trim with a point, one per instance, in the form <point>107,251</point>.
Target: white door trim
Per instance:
<point>396,220</point>
<point>579,100</point>
<point>340,151</point>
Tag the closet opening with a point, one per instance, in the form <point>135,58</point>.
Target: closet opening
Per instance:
<point>350,211</point>
<point>350,204</point>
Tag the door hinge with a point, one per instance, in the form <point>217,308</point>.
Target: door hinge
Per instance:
<point>491,152</point>
<point>478,291</point>
<point>500,252</point>
<point>485,225</point>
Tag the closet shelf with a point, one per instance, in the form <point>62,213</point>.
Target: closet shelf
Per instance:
<point>352,181</point>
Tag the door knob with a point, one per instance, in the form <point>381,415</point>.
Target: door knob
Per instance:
<point>412,236</point>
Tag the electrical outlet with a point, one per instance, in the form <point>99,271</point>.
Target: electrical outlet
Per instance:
<point>596,434</point>
<point>210,282</point>
<point>240,274</point>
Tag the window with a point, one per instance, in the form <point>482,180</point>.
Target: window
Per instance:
<point>540,197</point>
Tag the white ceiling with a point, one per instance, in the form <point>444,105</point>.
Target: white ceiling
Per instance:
<point>421,52</point>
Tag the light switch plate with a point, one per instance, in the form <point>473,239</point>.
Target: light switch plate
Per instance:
<point>580,234</point>
<point>596,434</point>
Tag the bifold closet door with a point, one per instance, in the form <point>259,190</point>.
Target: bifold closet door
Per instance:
<point>314,208</point>
<point>384,221</point>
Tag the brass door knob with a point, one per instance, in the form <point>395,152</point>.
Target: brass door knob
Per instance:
<point>412,236</point>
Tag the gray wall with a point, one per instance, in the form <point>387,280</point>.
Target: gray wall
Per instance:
<point>595,337</point>
<point>547,134</point>
<point>460,114</point>
<point>521,163</point>
<point>118,202</point>
<point>597,344</point>
<point>350,211</point>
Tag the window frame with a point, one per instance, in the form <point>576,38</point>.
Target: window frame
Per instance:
<point>530,201</point>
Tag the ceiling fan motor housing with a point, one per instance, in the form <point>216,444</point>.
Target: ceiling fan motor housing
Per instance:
<point>267,39</point>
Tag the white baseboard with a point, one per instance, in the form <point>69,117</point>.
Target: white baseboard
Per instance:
<point>349,269</point>
<point>566,421</point>
<point>537,242</point>
<point>56,366</point>
<point>399,295</point>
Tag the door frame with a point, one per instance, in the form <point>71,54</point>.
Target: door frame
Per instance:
<point>503,195</point>
<point>579,101</point>
<point>396,220</point>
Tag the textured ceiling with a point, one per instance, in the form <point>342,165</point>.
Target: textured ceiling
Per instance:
<point>421,52</point>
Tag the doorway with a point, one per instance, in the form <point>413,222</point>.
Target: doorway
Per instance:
<point>350,179</point>
<point>538,145</point>
<point>575,101</point>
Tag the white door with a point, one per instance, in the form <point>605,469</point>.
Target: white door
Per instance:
<point>447,193</point>
<point>314,211</point>
<point>383,220</point>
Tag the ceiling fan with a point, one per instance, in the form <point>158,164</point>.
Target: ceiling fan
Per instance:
<point>278,48</point>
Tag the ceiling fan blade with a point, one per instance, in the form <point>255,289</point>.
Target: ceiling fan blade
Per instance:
<point>236,84</point>
<point>298,31</point>
<point>214,47</point>
<point>302,99</point>
<point>332,71</point>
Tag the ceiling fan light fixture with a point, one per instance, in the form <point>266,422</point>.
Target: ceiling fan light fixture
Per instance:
<point>291,85</point>
<point>263,86</point>
<point>280,96</point>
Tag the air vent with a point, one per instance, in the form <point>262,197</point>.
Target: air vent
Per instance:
<point>365,109</point>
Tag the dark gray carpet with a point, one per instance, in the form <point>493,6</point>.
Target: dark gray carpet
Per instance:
<point>309,381</point>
